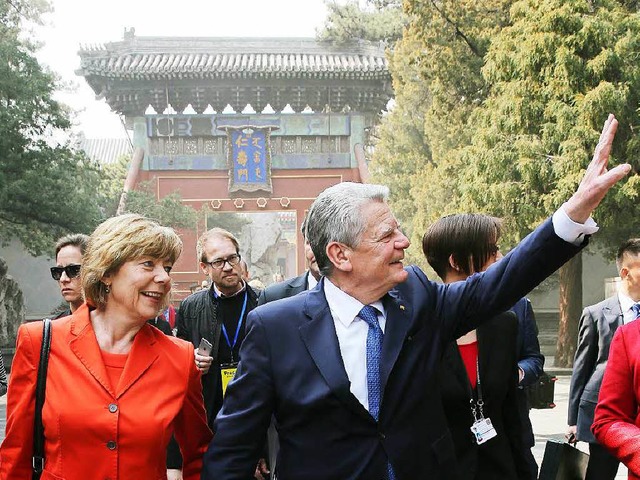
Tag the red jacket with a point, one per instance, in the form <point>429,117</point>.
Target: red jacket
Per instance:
<point>92,430</point>
<point>617,420</point>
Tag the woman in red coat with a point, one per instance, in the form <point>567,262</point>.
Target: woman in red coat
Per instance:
<point>616,424</point>
<point>117,388</point>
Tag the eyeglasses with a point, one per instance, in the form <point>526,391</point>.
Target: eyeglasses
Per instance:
<point>71,270</point>
<point>218,263</point>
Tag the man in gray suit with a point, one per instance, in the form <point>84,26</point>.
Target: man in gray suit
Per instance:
<point>597,326</point>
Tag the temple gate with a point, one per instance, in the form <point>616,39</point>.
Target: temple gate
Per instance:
<point>246,130</point>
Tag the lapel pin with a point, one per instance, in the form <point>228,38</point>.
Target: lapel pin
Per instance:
<point>401,307</point>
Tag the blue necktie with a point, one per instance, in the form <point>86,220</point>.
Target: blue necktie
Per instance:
<point>635,307</point>
<point>374,351</point>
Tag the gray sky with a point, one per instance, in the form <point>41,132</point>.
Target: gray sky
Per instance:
<point>76,22</point>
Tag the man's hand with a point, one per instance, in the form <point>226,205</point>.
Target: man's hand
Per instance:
<point>597,180</point>
<point>203,363</point>
<point>174,474</point>
<point>262,472</point>
<point>571,434</point>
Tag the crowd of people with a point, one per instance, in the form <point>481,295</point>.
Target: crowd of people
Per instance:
<point>360,368</point>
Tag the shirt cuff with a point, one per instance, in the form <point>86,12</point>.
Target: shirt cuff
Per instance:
<point>570,231</point>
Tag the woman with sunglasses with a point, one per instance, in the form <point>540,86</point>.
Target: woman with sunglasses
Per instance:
<point>117,388</point>
<point>479,372</point>
<point>69,252</point>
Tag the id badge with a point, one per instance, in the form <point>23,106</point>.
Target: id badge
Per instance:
<point>483,430</point>
<point>227,371</point>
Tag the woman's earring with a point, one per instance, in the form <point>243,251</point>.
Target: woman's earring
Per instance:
<point>107,290</point>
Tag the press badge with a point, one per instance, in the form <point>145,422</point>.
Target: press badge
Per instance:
<point>483,430</point>
<point>227,371</point>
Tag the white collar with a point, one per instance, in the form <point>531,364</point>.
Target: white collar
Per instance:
<point>344,307</point>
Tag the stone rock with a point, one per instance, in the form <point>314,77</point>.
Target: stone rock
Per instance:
<point>12,309</point>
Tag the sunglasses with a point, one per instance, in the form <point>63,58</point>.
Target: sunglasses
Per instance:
<point>72,271</point>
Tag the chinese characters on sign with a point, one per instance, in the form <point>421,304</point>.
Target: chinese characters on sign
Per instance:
<point>249,159</point>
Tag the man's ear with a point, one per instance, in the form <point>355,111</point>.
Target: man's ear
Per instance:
<point>203,267</point>
<point>340,256</point>
<point>624,271</point>
<point>452,263</point>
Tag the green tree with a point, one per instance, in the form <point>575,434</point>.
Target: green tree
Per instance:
<point>46,187</point>
<point>168,210</point>
<point>554,75</point>
<point>381,20</point>
<point>438,83</point>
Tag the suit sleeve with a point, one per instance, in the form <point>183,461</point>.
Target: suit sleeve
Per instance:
<point>241,426</point>
<point>17,448</point>
<point>615,416</point>
<point>463,306</point>
<point>190,426</point>
<point>530,360</point>
<point>583,363</point>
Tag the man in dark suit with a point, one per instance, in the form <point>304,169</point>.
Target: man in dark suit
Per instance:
<point>348,369</point>
<point>597,325</point>
<point>288,288</point>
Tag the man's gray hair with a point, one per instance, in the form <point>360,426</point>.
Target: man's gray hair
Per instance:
<point>336,216</point>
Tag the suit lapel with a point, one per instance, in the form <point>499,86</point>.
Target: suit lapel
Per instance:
<point>85,346</point>
<point>142,355</point>
<point>321,341</point>
<point>613,313</point>
<point>397,325</point>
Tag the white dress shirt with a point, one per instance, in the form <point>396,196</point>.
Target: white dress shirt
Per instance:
<point>626,303</point>
<point>352,336</point>
<point>352,330</point>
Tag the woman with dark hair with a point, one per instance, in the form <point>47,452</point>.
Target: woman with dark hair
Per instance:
<point>69,251</point>
<point>117,388</point>
<point>479,372</point>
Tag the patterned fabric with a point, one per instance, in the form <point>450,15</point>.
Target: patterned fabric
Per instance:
<point>3,377</point>
<point>636,309</point>
<point>374,350</point>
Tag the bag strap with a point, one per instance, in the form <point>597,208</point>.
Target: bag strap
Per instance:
<point>41,383</point>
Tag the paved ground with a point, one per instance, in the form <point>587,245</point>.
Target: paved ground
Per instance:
<point>551,424</point>
<point>548,424</point>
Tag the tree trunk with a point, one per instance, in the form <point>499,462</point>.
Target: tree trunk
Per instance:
<point>570,310</point>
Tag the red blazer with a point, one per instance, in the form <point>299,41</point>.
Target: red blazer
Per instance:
<point>617,421</point>
<point>92,430</point>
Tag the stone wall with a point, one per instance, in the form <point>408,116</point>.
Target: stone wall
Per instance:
<point>12,309</point>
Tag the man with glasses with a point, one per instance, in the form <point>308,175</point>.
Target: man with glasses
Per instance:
<point>69,251</point>
<point>218,315</point>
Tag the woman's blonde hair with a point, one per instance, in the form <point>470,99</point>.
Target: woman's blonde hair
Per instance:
<point>118,240</point>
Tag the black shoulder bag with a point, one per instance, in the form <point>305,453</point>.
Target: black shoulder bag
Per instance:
<point>41,383</point>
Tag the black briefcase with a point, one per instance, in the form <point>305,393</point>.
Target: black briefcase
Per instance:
<point>540,394</point>
<point>561,461</point>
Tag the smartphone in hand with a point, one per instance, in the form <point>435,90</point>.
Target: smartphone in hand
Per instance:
<point>205,348</point>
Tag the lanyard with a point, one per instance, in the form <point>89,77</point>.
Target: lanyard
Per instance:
<point>224,329</point>
<point>476,405</point>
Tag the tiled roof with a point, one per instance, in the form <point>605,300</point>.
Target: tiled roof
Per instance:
<point>105,150</point>
<point>161,57</point>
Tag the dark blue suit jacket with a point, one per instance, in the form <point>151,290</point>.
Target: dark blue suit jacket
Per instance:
<point>530,360</point>
<point>291,366</point>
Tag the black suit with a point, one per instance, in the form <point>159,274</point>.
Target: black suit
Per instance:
<point>502,457</point>
<point>285,289</point>
<point>597,325</point>
<point>291,366</point>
